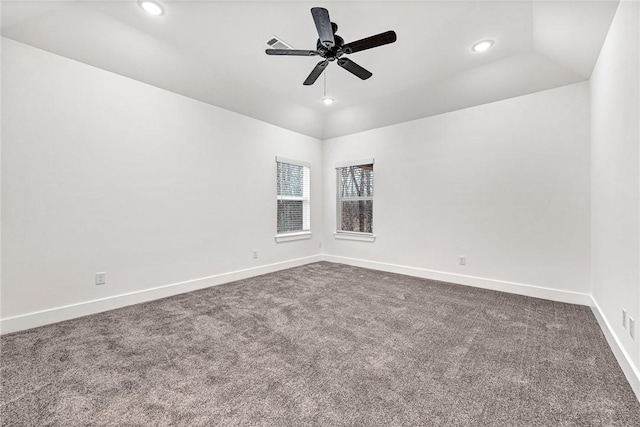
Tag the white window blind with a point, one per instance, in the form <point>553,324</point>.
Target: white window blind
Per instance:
<point>355,198</point>
<point>293,196</point>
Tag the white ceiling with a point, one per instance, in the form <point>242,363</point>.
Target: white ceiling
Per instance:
<point>213,51</point>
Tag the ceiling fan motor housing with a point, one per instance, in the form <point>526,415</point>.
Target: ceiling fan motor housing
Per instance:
<point>334,52</point>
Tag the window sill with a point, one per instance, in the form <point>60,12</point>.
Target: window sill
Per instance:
<point>361,237</point>
<point>288,237</point>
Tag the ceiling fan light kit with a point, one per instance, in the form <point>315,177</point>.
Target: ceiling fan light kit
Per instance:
<point>332,47</point>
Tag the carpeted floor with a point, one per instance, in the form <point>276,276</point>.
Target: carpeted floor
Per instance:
<point>323,344</point>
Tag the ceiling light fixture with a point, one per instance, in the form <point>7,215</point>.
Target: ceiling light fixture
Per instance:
<point>327,100</point>
<point>482,46</point>
<point>151,7</point>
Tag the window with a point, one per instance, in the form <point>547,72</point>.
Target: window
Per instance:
<point>293,205</point>
<point>355,200</point>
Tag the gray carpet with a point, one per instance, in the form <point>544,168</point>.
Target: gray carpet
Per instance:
<point>323,344</point>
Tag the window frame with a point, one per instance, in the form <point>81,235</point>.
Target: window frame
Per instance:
<point>303,234</point>
<point>345,234</point>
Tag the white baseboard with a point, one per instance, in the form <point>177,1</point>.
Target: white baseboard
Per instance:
<point>630,370</point>
<point>58,314</point>
<point>478,282</point>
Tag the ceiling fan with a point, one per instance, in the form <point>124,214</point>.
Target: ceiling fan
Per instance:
<point>332,47</point>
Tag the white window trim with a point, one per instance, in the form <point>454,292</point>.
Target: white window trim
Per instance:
<point>352,235</point>
<point>301,198</point>
<point>354,163</point>
<point>293,162</point>
<point>295,235</point>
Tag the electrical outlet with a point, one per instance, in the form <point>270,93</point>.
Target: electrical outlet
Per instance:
<point>101,278</point>
<point>462,260</point>
<point>320,245</point>
<point>624,318</point>
<point>632,327</point>
<point>255,254</point>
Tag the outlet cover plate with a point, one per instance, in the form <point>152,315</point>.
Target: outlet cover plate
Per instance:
<point>101,278</point>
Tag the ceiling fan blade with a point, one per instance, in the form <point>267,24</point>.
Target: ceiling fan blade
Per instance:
<point>323,25</point>
<point>370,42</point>
<point>354,68</point>
<point>315,73</point>
<point>291,52</point>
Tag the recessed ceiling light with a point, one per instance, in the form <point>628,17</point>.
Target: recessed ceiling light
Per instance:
<point>151,7</point>
<point>327,100</point>
<point>482,46</point>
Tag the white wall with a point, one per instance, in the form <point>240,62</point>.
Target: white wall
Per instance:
<point>615,173</point>
<point>505,184</point>
<point>104,173</point>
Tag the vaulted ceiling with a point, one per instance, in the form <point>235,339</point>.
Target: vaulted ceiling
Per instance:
<point>213,51</point>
